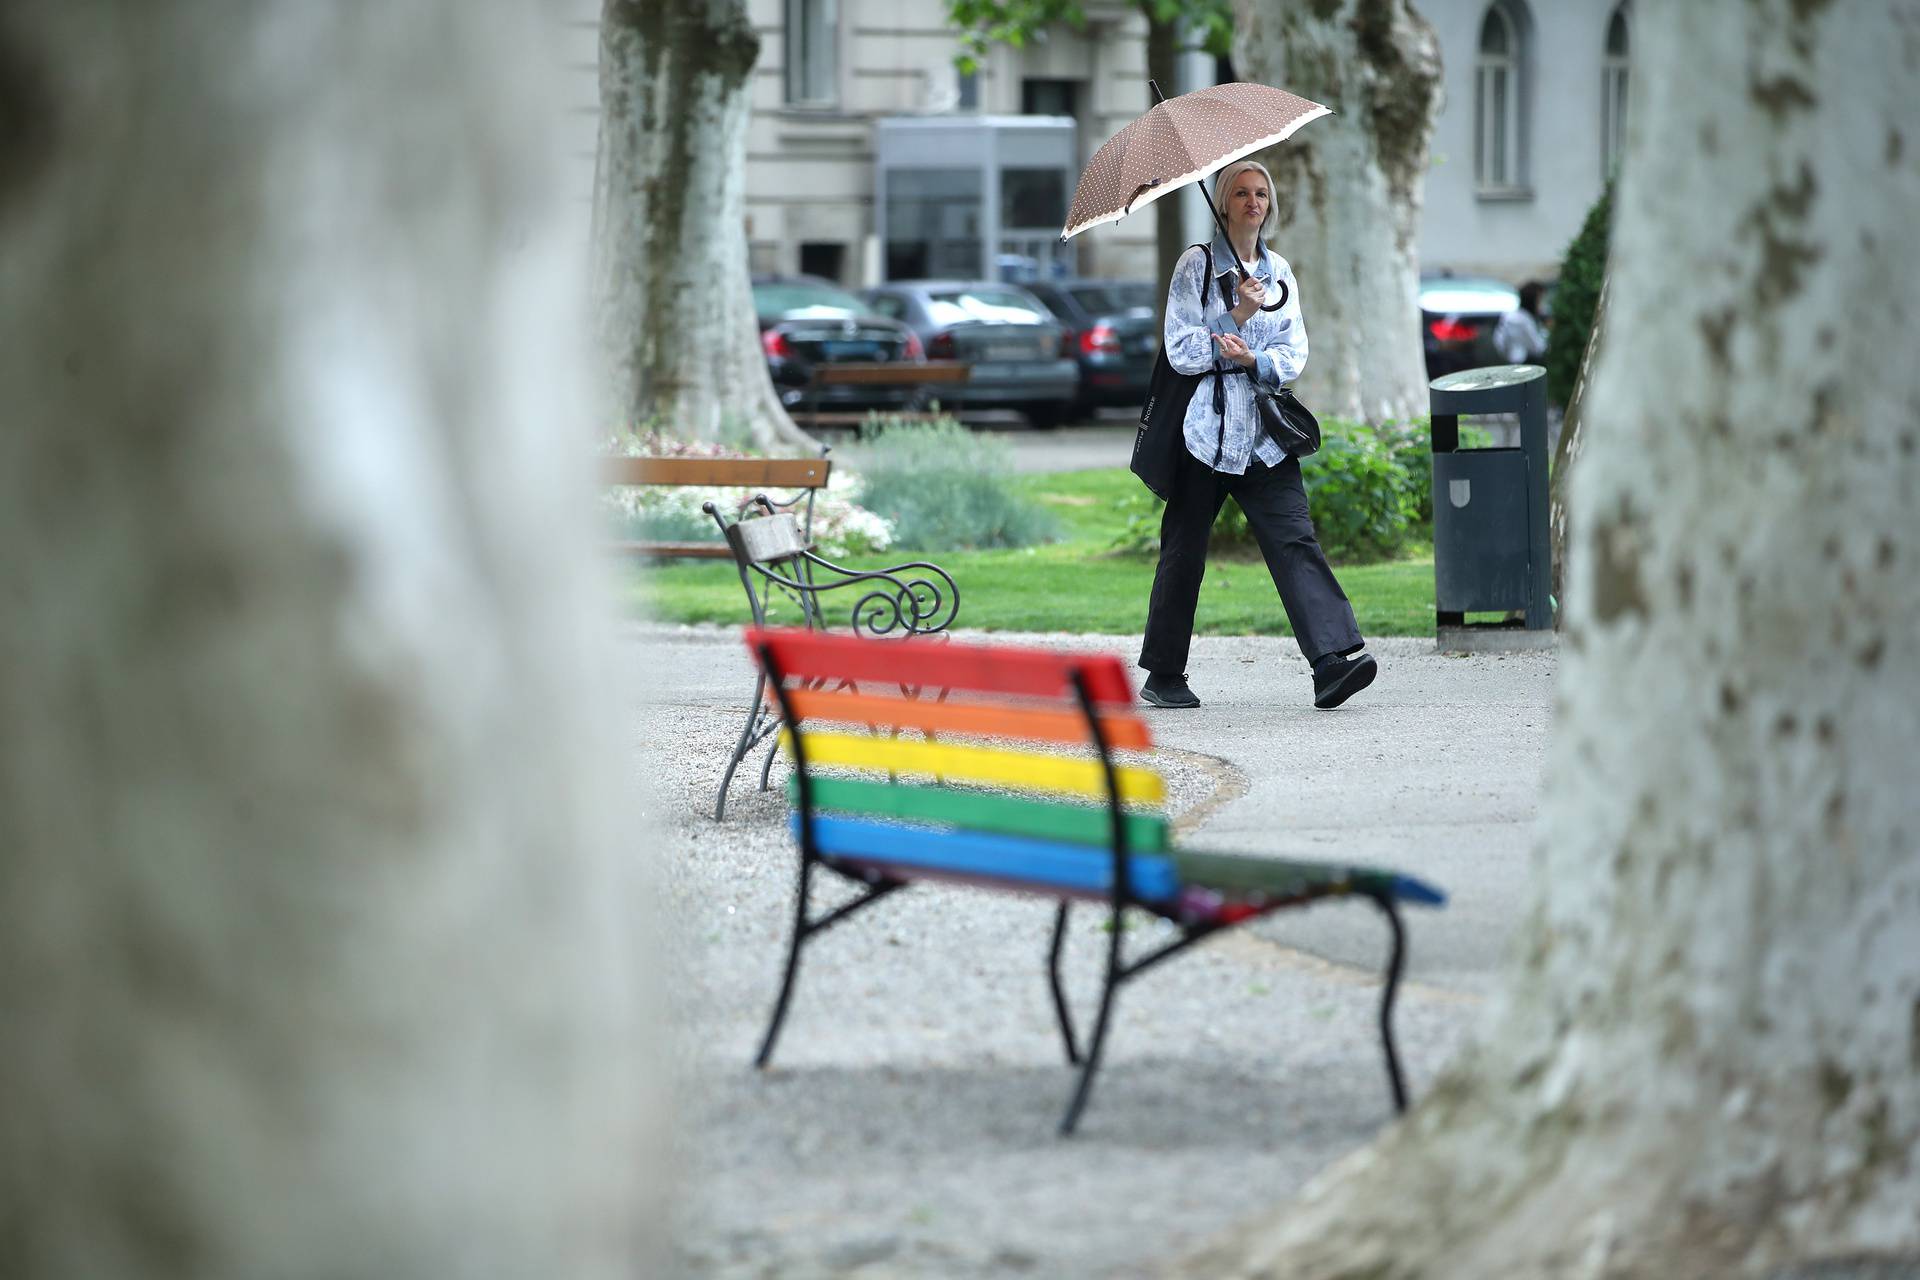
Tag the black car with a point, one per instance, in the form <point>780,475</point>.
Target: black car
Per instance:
<point>805,320</point>
<point>1108,328</point>
<point>1007,337</point>
<point>1457,316</point>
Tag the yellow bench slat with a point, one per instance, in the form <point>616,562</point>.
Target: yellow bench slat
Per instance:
<point>1027,770</point>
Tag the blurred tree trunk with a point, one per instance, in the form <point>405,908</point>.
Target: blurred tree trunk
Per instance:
<point>1348,190</point>
<point>1568,450</point>
<point>1706,1060</point>
<point>314,923</point>
<point>1169,234</point>
<point>669,217</point>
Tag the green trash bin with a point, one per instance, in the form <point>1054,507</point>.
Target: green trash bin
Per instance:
<point>1490,546</point>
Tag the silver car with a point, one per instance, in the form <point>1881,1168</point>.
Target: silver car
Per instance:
<point>1005,333</point>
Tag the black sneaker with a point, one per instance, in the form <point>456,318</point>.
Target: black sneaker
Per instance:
<point>1168,691</point>
<point>1336,681</point>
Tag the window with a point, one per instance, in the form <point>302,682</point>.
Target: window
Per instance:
<point>823,258</point>
<point>1613,94</point>
<point>1048,97</point>
<point>1499,100</point>
<point>813,33</point>
<point>933,223</point>
<point>1032,198</point>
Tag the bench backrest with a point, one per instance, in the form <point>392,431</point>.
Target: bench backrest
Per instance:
<point>740,473</point>
<point>807,475</point>
<point>1061,820</point>
<point>889,374</point>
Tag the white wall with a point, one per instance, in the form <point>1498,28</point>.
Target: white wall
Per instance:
<point>1515,239</point>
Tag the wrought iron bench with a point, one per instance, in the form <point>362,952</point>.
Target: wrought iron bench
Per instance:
<point>1078,826</point>
<point>776,559</point>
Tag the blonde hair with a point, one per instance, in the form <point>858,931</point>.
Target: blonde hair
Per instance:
<point>1224,183</point>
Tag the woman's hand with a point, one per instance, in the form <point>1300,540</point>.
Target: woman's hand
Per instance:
<point>1251,294</point>
<point>1233,347</point>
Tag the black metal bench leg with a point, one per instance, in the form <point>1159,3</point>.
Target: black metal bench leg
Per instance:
<point>1053,979</point>
<point>742,747</point>
<point>1107,993</point>
<point>766,766</point>
<point>800,932</point>
<point>1394,965</point>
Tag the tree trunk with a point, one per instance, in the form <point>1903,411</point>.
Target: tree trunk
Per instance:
<point>669,219</point>
<point>1706,1061</point>
<point>1348,190</point>
<point>1568,450</point>
<point>314,924</point>
<point>1169,234</point>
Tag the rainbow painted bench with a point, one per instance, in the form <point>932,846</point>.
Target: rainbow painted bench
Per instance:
<point>1025,776</point>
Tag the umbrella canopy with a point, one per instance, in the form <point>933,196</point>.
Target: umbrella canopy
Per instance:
<point>1182,140</point>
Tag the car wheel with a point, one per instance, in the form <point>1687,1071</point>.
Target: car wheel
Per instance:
<point>1050,414</point>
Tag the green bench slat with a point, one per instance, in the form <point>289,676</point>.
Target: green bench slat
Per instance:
<point>1005,815</point>
<point>1286,878</point>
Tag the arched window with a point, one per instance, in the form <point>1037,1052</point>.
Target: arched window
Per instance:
<point>1613,92</point>
<point>1499,100</point>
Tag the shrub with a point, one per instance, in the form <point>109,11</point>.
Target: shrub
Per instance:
<point>1576,298</point>
<point>1365,488</point>
<point>942,487</point>
<point>841,527</point>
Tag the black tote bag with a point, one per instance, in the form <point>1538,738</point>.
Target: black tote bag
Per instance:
<point>1161,439</point>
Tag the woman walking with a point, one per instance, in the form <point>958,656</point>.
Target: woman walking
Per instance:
<point>1220,328</point>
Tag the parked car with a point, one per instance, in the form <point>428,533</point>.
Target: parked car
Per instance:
<point>1005,333</point>
<point>805,320</point>
<point>1107,327</point>
<point>1457,315</point>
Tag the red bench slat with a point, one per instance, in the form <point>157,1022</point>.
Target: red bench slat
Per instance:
<point>979,667</point>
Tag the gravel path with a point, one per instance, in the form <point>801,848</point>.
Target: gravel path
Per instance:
<point>907,1128</point>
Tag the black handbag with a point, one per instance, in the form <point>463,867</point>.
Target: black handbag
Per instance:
<point>1290,423</point>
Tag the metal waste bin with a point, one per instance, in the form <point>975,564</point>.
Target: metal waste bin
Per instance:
<point>1490,547</point>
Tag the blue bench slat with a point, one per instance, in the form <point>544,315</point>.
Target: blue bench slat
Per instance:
<point>1075,868</point>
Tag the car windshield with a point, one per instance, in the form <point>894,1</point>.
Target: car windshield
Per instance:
<point>803,299</point>
<point>987,305</point>
<point>1134,293</point>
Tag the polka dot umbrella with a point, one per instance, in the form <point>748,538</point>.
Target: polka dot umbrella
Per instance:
<point>1182,140</point>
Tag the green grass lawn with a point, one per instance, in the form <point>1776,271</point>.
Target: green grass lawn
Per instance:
<point>1075,584</point>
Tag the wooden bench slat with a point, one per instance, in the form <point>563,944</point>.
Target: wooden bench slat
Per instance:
<point>675,550</point>
<point>1002,815</point>
<point>723,473</point>
<point>982,668</point>
<point>986,719</point>
<point>1023,770</point>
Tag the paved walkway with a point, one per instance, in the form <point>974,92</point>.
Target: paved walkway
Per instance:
<point>908,1126</point>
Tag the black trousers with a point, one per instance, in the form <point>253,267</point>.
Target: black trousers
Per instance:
<point>1275,500</point>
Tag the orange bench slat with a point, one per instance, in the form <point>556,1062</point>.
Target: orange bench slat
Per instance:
<point>995,720</point>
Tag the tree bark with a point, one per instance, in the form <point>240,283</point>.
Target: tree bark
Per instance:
<point>1567,451</point>
<point>1706,1060</point>
<point>669,217</point>
<point>1348,190</point>
<point>1169,234</point>
<point>315,921</point>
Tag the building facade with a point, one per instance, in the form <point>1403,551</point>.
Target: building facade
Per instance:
<point>871,157</point>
